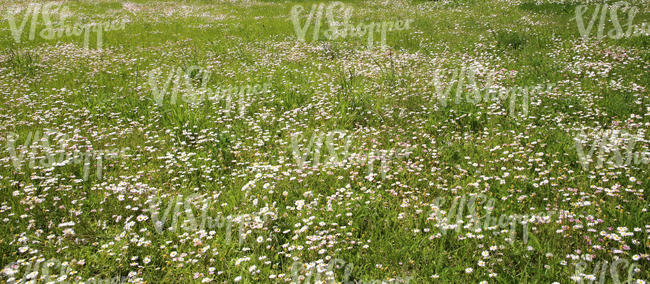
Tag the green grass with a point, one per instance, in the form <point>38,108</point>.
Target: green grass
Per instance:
<point>384,99</point>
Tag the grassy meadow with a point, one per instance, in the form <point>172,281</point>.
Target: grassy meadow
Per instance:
<point>242,141</point>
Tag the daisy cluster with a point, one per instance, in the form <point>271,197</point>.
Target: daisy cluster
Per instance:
<point>347,158</point>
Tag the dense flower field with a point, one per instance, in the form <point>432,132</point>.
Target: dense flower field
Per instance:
<point>376,141</point>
